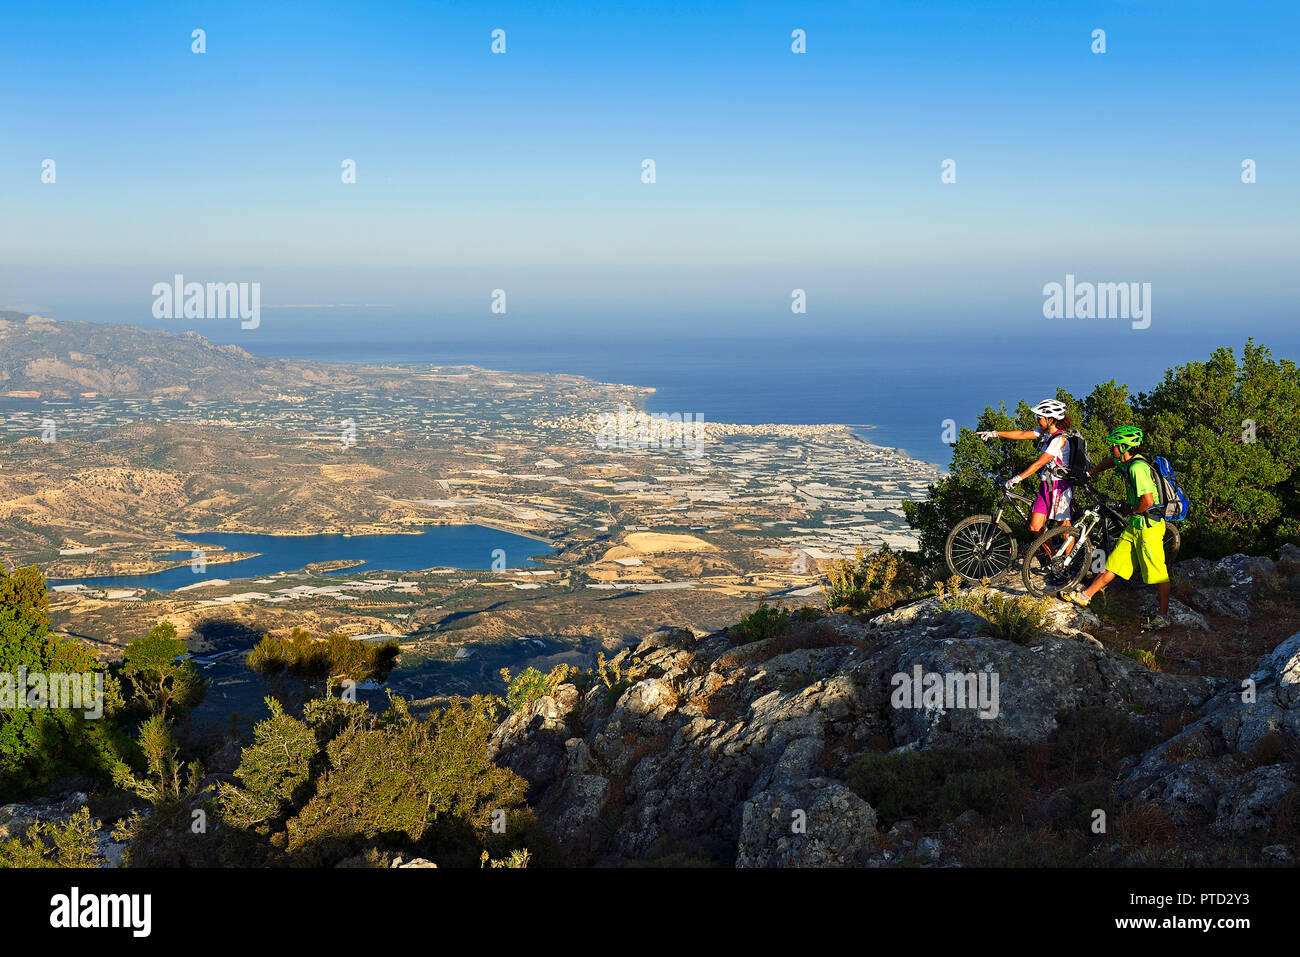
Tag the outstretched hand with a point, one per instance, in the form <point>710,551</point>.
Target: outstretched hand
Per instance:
<point>988,436</point>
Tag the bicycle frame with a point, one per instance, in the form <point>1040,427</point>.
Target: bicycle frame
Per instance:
<point>1101,508</point>
<point>1012,499</point>
<point>1091,520</point>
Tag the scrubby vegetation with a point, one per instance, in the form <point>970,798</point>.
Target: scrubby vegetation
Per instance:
<point>54,844</point>
<point>323,780</point>
<point>530,684</point>
<point>300,666</point>
<point>1018,618</point>
<point>522,690</point>
<point>1044,806</point>
<point>423,786</point>
<point>765,621</point>
<point>933,787</point>
<point>871,581</point>
<point>609,674</point>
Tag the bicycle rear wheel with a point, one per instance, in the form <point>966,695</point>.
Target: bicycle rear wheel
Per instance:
<point>1056,561</point>
<point>1173,541</point>
<point>980,550</point>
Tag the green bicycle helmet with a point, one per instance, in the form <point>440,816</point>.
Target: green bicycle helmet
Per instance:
<point>1126,437</point>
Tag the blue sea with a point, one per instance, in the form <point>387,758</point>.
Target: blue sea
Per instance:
<point>899,379</point>
<point>898,389</point>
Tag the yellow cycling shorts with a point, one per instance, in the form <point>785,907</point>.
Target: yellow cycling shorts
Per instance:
<point>1141,548</point>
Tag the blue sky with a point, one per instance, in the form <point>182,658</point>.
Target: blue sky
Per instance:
<point>775,170</point>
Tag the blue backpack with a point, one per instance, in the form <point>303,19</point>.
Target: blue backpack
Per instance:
<point>1171,502</point>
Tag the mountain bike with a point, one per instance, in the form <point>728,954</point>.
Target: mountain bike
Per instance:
<point>1059,557</point>
<point>983,548</point>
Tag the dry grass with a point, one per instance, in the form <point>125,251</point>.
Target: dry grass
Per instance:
<point>1142,824</point>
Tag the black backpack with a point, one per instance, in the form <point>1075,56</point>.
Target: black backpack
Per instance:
<point>1076,473</point>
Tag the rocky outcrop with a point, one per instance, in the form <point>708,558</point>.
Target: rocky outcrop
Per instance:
<point>1234,768</point>
<point>15,819</point>
<point>815,823</point>
<point>705,742</point>
<point>1226,587</point>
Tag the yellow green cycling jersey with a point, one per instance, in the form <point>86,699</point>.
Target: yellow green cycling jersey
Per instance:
<point>1139,480</point>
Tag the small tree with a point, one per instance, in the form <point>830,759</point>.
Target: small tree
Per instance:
<point>300,666</point>
<point>159,675</point>
<point>414,782</point>
<point>166,780</point>
<point>38,745</point>
<point>274,772</point>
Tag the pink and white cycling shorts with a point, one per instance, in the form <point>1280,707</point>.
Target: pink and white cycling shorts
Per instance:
<point>1055,499</point>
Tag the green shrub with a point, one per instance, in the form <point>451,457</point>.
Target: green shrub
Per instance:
<point>1018,618</point>
<point>871,582</point>
<point>1142,656</point>
<point>274,773</point>
<point>72,843</point>
<point>158,676</point>
<point>518,860</point>
<point>765,621</point>
<point>530,684</point>
<point>525,688</point>
<point>423,785</point>
<point>935,786</point>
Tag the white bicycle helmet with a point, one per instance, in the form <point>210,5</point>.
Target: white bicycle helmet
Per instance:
<point>1050,409</point>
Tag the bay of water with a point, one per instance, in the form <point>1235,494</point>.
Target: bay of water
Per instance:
<point>455,546</point>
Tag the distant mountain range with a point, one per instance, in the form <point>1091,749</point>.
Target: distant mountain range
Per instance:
<point>49,358</point>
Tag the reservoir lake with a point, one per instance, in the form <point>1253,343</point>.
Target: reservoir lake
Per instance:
<point>442,546</point>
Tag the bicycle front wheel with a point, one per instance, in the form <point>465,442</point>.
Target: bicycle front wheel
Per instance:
<point>1056,561</point>
<point>981,550</point>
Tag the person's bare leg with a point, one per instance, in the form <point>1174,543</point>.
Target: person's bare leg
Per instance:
<point>1036,522</point>
<point>1102,580</point>
<point>1163,589</point>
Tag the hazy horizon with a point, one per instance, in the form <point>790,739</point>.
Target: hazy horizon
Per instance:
<point>775,171</point>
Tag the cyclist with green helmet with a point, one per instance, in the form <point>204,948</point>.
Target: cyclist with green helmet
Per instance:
<point>1142,544</point>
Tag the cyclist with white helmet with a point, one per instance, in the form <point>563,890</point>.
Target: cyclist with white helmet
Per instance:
<point>1055,499</point>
